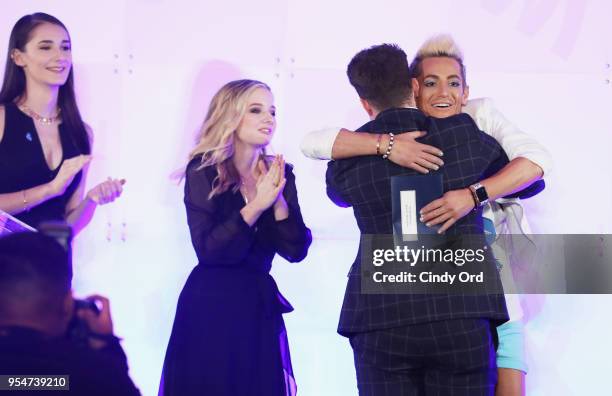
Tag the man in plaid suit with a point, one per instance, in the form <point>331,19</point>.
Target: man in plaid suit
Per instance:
<point>414,344</point>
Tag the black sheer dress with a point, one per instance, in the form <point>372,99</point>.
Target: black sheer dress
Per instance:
<point>228,336</point>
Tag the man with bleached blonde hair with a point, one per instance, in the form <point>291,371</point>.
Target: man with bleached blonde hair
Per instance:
<point>440,71</point>
<point>442,91</point>
<point>442,45</point>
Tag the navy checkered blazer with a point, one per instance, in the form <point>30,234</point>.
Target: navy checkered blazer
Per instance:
<point>470,155</point>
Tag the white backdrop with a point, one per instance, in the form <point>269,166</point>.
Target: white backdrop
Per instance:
<point>146,70</point>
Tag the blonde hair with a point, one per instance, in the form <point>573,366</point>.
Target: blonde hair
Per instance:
<point>215,142</point>
<point>441,45</point>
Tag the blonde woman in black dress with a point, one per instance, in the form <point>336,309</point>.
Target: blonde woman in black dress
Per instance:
<point>229,336</point>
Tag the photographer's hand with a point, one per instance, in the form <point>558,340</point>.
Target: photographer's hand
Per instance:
<point>100,324</point>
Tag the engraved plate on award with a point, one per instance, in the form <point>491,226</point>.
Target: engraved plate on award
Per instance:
<point>409,194</point>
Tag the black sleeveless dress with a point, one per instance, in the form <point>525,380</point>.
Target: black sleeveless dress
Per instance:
<point>23,165</point>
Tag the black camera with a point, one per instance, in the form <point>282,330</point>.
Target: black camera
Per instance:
<point>78,331</point>
<point>86,304</point>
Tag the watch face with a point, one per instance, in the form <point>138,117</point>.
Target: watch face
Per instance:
<point>482,195</point>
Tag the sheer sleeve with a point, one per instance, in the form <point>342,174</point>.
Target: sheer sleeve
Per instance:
<point>292,237</point>
<point>219,241</point>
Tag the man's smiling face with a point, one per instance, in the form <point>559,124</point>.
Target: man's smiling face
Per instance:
<point>442,91</point>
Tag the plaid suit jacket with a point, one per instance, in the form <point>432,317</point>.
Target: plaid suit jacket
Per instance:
<point>364,183</point>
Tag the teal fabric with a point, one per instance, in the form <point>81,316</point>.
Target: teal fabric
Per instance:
<point>511,349</point>
<point>511,335</point>
<point>490,235</point>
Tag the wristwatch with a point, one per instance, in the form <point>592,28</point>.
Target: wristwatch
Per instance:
<point>480,194</point>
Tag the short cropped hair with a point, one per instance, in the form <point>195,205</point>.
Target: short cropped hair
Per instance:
<point>442,45</point>
<point>381,75</point>
<point>35,272</point>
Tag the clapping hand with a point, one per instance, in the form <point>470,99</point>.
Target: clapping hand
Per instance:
<point>107,191</point>
<point>270,183</point>
<point>67,172</point>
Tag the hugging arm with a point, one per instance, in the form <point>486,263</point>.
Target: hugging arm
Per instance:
<point>500,179</point>
<point>336,143</point>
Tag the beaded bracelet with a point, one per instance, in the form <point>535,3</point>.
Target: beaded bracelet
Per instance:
<point>389,147</point>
